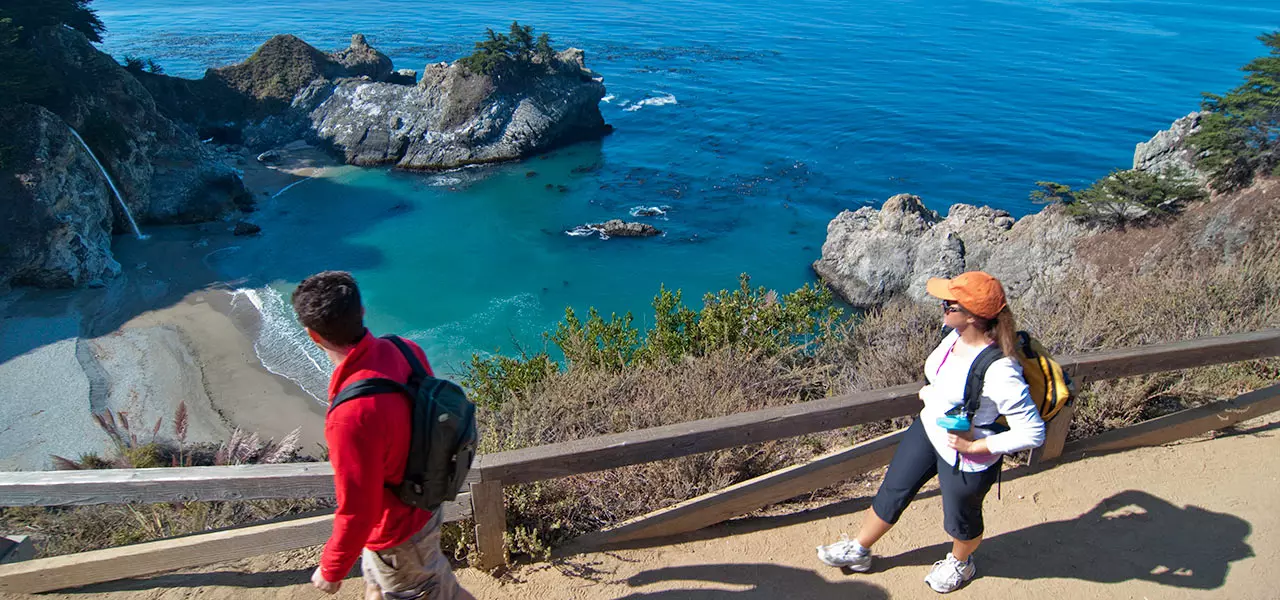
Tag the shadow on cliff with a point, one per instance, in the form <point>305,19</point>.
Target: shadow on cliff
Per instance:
<point>312,228</point>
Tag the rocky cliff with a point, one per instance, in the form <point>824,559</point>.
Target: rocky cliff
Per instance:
<point>1168,151</point>
<point>871,256</point>
<point>62,211</point>
<point>56,219</point>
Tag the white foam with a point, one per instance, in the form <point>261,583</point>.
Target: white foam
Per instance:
<point>283,346</point>
<point>445,181</point>
<point>650,211</point>
<point>607,99</point>
<point>521,310</point>
<point>662,100</point>
<point>581,231</point>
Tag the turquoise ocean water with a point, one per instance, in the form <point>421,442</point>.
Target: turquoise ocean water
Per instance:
<point>754,122</point>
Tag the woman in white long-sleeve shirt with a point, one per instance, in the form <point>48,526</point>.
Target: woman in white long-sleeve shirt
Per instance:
<point>967,463</point>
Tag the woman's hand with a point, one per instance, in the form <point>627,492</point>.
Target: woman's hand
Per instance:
<point>961,442</point>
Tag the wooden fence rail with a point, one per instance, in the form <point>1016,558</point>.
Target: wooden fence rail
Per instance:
<point>492,472</point>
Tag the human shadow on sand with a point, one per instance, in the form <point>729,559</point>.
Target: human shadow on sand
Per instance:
<point>1132,535</point>
<point>767,581</point>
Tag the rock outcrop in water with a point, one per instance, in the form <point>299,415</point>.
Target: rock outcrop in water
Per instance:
<point>453,117</point>
<point>620,228</point>
<point>59,211</point>
<point>871,256</point>
<point>354,102</point>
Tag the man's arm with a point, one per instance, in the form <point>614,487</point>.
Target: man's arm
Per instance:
<point>357,477</point>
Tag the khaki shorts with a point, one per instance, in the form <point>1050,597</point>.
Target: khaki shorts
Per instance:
<point>416,569</point>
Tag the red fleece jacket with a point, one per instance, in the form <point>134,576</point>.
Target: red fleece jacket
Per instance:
<point>368,445</point>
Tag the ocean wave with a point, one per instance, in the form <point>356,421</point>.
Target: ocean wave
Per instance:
<point>283,346</point>
<point>450,344</point>
<point>650,211</point>
<point>607,99</point>
<point>441,181</point>
<point>587,230</point>
<point>662,100</point>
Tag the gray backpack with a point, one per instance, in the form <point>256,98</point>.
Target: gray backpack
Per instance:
<point>443,440</point>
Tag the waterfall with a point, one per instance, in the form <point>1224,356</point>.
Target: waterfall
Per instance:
<point>128,215</point>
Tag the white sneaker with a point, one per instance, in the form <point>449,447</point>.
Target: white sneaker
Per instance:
<point>846,553</point>
<point>949,574</point>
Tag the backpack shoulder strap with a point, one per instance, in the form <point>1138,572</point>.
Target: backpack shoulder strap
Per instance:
<point>419,371</point>
<point>977,373</point>
<point>369,387</point>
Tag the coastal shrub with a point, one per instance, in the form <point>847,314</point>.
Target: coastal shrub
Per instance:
<point>24,75</point>
<point>63,530</point>
<point>138,64</point>
<point>1178,299</point>
<point>745,319</point>
<point>510,54</point>
<point>67,530</point>
<point>1239,134</point>
<point>1124,197</point>
<point>146,449</point>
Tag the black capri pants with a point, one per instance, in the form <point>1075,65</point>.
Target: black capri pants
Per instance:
<point>915,463</point>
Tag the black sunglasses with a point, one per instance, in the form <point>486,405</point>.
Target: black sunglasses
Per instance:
<point>950,307</point>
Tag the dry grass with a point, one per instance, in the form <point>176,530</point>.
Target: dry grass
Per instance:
<point>1182,299</point>
<point>585,403</point>
<point>57,531</point>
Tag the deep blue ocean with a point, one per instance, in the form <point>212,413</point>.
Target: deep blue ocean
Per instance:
<point>754,122</point>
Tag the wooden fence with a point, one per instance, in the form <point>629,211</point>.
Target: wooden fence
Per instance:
<point>484,504</point>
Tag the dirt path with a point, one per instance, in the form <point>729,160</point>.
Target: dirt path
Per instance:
<point>1199,519</point>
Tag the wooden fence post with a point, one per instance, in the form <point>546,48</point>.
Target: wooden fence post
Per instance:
<point>490,514</point>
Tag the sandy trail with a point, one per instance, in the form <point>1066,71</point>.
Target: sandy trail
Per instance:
<point>1197,519</point>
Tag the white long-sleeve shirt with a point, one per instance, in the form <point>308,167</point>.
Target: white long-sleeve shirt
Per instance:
<point>1004,392</point>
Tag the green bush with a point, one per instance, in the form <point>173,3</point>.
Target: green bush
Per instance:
<point>746,320</point>
<point>1239,134</point>
<point>24,75</point>
<point>137,64</point>
<point>1124,197</point>
<point>514,53</point>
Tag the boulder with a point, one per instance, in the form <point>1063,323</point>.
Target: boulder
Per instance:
<point>1168,150</point>
<point>871,256</point>
<point>244,228</point>
<point>362,60</point>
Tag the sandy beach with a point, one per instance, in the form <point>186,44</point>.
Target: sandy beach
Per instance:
<point>168,331</point>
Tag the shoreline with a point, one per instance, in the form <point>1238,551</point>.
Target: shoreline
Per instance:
<point>164,332</point>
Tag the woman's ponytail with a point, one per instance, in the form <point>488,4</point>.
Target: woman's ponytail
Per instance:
<point>1003,330</point>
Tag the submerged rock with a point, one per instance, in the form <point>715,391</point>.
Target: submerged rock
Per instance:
<point>244,228</point>
<point>614,228</point>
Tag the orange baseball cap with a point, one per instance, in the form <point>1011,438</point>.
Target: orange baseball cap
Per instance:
<point>977,292</point>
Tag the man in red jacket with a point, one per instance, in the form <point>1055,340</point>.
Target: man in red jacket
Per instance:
<point>368,441</point>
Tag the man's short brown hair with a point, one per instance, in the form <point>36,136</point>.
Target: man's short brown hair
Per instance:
<point>328,303</point>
